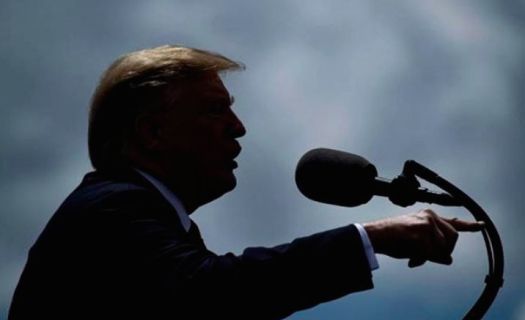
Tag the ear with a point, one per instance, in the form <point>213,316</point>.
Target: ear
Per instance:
<point>148,132</point>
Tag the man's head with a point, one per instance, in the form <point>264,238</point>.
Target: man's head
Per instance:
<point>165,110</point>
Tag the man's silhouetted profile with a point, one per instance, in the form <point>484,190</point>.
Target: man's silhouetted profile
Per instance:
<point>162,140</point>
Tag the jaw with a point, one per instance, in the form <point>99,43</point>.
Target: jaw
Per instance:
<point>203,189</point>
<point>216,186</point>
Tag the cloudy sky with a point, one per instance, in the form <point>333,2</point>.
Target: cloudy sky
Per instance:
<point>439,81</point>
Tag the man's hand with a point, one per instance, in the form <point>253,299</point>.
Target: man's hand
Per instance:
<point>418,236</point>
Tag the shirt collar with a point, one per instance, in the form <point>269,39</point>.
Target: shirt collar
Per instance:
<point>171,197</point>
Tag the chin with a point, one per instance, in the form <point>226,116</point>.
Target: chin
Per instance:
<point>230,183</point>
<point>221,185</point>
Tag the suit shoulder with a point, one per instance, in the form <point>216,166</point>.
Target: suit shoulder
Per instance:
<point>110,196</point>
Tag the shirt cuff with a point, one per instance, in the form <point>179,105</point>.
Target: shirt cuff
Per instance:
<point>367,245</point>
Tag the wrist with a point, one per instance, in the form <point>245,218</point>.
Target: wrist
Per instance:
<point>373,230</point>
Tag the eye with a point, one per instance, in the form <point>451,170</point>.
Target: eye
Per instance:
<point>216,110</point>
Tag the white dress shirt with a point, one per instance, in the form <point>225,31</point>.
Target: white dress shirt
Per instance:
<point>186,221</point>
<point>171,197</point>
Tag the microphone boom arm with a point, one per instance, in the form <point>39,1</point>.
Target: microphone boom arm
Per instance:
<point>407,182</point>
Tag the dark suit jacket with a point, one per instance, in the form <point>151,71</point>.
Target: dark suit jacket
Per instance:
<point>115,249</point>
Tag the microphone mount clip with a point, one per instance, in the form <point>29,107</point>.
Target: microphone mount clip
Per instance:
<point>404,187</point>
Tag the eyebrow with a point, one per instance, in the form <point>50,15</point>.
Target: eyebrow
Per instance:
<point>226,100</point>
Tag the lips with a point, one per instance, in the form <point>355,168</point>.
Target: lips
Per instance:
<point>236,151</point>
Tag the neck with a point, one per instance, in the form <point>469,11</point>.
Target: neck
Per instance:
<point>181,185</point>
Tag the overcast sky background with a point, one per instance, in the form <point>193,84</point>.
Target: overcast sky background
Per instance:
<point>439,81</point>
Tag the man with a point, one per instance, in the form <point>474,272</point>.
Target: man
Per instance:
<point>162,140</point>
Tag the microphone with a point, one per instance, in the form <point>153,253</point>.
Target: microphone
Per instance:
<point>345,179</point>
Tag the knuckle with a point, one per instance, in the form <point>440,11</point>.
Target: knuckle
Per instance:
<point>428,216</point>
<point>429,212</point>
<point>421,218</point>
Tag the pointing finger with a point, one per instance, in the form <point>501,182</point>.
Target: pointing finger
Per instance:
<point>462,225</point>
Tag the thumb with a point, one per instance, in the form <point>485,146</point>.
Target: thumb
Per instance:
<point>416,262</point>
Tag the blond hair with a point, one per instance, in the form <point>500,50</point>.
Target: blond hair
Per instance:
<point>135,84</point>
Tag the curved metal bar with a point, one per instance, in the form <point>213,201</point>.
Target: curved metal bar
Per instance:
<point>494,279</point>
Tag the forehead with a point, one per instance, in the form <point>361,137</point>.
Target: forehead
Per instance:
<point>205,86</point>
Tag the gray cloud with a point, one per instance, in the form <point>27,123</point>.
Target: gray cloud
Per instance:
<point>437,81</point>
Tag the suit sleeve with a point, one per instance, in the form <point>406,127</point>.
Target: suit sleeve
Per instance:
<point>270,283</point>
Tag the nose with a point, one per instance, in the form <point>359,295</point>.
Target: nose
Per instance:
<point>237,128</point>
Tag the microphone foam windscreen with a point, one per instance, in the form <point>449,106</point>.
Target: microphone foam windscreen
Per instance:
<point>335,177</point>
